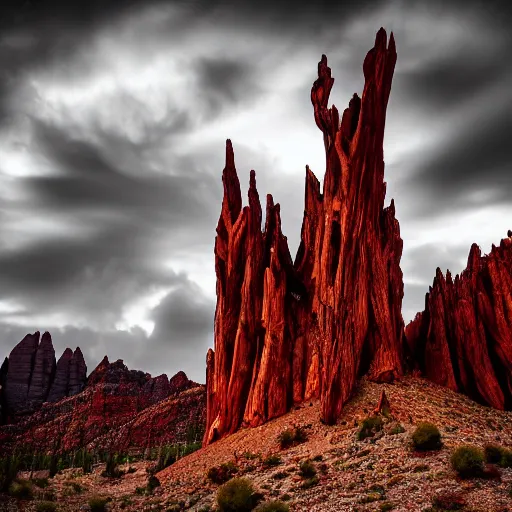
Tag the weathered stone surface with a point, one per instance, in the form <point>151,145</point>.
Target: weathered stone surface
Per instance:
<point>353,251</point>
<point>59,388</point>
<point>77,373</point>
<point>253,320</point>
<point>33,377</point>
<point>43,372</point>
<point>288,331</point>
<point>3,375</point>
<point>463,338</point>
<point>383,407</point>
<point>21,365</point>
<point>110,413</point>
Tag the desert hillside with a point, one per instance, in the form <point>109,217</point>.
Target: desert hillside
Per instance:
<point>381,472</point>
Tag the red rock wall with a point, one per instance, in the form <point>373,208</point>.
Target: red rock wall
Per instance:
<point>288,331</point>
<point>463,338</point>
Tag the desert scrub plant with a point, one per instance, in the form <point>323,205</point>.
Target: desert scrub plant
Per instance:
<point>272,506</point>
<point>468,461</point>
<point>493,453</point>
<point>46,506</point>
<point>98,504</point>
<point>291,437</point>
<point>21,489</point>
<point>396,429</point>
<point>272,460</point>
<point>448,501</point>
<point>237,495</point>
<point>369,427</point>
<point>310,482</point>
<point>42,483</point>
<point>386,506</point>
<point>307,469</point>
<point>152,484</point>
<point>221,474</point>
<point>426,437</point>
<point>506,458</point>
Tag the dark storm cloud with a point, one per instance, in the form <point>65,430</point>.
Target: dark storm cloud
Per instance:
<point>224,83</point>
<point>471,169</point>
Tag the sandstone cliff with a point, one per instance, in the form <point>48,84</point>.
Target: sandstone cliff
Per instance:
<point>288,331</point>
<point>32,377</point>
<point>463,338</point>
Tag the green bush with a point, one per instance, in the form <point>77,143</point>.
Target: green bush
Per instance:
<point>272,506</point>
<point>237,495</point>
<point>386,506</point>
<point>307,469</point>
<point>369,427</point>
<point>221,474</point>
<point>98,504</point>
<point>506,458</point>
<point>493,453</point>
<point>21,489</point>
<point>286,438</point>
<point>397,429</point>
<point>9,467</point>
<point>427,437</point>
<point>468,461</point>
<point>290,437</point>
<point>42,483</point>
<point>272,460</point>
<point>46,506</point>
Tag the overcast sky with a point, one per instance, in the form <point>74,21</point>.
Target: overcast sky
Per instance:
<point>113,121</point>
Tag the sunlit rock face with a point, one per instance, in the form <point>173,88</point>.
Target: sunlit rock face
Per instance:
<point>463,338</point>
<point>288,331</point>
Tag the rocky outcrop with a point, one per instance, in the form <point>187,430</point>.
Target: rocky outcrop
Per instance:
<point>119,409</point>
<point>463,338</point>
<point>33,377</point>
<point>288,331</point>
<point>21,366</point>
<point>43,372</point>
<point>3,375</point>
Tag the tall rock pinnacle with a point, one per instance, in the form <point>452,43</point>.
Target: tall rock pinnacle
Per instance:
<point>285,331</point>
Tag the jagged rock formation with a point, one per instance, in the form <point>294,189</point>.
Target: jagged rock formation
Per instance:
<point>119,409</point>
<point>287,331</point>
<point>3,375</point>
<point>32,377</point>
<point>463,338</point>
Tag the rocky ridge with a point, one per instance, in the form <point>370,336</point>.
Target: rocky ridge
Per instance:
<point>463,338</point>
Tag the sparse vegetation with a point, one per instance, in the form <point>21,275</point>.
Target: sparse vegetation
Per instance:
<point>21,489</point>
<point>272,506</point>
<point>426,437</point>
<point>369,427</point>
<point>448,502</point>
<point>223,473</point>
<point>396,429</point>
<point>291,437</point>
<point>386,506</point>
<point>506,458</point>
<point>310,482</point>
<point>272,461</point>
<point>237,495</point>
<point>98,504</point>
<point>46,506</point>
<point>307,469</point>
<point>493,453</point>
<point>468,461</point>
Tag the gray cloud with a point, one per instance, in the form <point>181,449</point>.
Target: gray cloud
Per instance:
<point>113,117</point>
